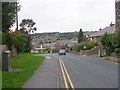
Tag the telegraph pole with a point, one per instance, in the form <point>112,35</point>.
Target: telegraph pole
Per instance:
<point>16,18</point>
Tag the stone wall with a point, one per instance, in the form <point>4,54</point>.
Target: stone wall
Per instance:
<point>117,6</point>
<point>113,58</point>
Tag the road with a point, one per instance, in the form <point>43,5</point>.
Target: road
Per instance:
<point>74,71</point>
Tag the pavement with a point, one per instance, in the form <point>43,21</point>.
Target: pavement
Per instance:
<point>83,72</point>
<point>45,76</point>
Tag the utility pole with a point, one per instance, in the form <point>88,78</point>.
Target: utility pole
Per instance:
<point>16,18</point>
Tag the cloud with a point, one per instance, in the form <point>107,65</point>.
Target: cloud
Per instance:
<point>68,15</point>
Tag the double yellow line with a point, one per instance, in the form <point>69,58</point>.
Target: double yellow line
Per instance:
<point>66,76</point>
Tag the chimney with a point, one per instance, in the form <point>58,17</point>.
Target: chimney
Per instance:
<point>111,24</point>
<point>100,29</point>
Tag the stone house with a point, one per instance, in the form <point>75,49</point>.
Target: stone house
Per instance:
<point>95,37</point>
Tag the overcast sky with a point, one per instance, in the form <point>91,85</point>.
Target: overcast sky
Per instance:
<point>68,15</point>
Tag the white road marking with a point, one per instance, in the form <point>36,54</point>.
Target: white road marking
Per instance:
<point>48,57</point>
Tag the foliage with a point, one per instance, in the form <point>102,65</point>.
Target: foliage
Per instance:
<point>28,64</point>
<point>107,43</point>
<point>116,40</point>
<point>89,44</point>
<point>15,39</point>
<point>77,47</point>
<point>80,36</point>
<point>117,50</point>
<point>19,40</point>
<point>55,50</point>
<point>27,26</point>
<point>9,10</point>
<point>28,45</point>
<point>106,40</point>
<point>9,42</point>
<point>84,46</point>
<point>65,36</point>
<point>111,42</point>
<point>0,37</point>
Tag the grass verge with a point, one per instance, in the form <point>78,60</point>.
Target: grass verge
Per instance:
<point>28,63</point>
<point>0,80</point>
<point>40,53</point>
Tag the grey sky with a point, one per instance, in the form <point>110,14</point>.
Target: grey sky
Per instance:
<point>68,15</point>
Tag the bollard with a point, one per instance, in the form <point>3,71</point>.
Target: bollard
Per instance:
<point>6,63</point>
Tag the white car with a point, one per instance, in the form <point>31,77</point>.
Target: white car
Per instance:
<point>62,52</point>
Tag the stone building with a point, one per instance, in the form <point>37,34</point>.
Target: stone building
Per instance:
<point>117,6</point>
<point>95,37</point>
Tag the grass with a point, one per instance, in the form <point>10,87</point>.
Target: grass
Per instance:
<point>41,53</point>
<point>0,80</point>
<point>28,63</point>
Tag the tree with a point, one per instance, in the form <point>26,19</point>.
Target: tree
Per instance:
<point>27,26</point>
<point>107,43</point>
<point>116,40</point>
<point>9,10</point>
<point>19,41</point>
<point>16,40</point>
<point>80,36</point>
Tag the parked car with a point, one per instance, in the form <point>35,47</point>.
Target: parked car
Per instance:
<point>62,52</point>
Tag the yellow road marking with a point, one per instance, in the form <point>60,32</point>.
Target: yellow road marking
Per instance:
<point>68,76</point>
<point>65,80</point>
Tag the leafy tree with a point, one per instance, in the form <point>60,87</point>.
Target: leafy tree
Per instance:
<point>16,40</point>
<point>27,26</point>
<point>107,43</point>
<point>80,36</point>
<point>9,10</point>
<point>116,40</point>
<point>28,45</point>
<point>19,40</point>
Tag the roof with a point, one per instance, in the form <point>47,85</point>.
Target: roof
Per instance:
<point>117,0</point>
<point>109,30</point>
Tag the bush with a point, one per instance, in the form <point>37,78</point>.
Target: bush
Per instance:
<point>117,50</point>
<point>77,47</point>
<point>89,44</point>
<point>55,50</point>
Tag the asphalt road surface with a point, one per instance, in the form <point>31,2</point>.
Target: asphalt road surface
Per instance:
<point>68,71</point>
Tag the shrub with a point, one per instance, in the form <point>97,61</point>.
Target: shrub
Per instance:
<point>55,50</point>
<point>117,50</point>
<point>77,47</point>
<point>89,44</point>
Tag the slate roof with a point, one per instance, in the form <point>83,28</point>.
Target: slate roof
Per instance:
<point>109,30</point>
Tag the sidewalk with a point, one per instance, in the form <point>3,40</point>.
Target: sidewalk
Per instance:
<point>45,76</point>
